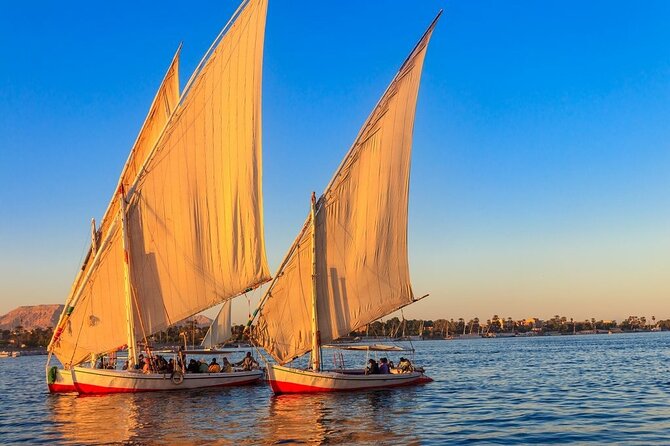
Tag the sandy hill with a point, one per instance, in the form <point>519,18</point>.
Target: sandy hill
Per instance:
<point>200,320</point>
<point>44,316</point>
<point>30,317</point>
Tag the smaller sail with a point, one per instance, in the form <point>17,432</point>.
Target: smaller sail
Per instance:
<point>220,330</point>
<point>164,103</point>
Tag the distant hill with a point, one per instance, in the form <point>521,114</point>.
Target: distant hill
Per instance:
<point>43,316</point>
<point>200,320</point>
<point>30,317</point>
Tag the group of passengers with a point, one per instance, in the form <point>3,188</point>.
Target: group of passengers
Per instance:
<point>159,364</point>
<point>248,363</point>
<point>385,366</point>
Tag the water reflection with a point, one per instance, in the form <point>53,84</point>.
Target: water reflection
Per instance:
<point>341,418</point>
<point>95,420</point>
<point>296,419</point>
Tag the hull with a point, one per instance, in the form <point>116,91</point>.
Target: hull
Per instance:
<point>290,380</point>
<point>60,380</point>
<point>100,381</point>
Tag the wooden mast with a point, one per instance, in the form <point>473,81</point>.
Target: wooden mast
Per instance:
<point>94,238</point>
<point>130,316</point>
<point>316,334</point>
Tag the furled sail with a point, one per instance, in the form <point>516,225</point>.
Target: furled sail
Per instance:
<point>194,209</point>
<point>220,329</point>
<point>362,270</point>
<point>163,105</point>
<point>109,277</point>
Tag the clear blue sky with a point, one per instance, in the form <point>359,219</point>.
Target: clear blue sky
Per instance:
<point>541,164</point>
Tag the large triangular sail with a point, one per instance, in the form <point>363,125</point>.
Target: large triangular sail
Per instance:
<point>194,210</point>
<point>362,270</point>
<point>220,328</point>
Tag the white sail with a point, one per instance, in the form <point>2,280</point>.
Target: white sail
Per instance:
<point>194,211</point>
<point>362,270</point>
<point>220,329</point>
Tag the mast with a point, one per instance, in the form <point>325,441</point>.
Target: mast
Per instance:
<point>94,238</point>
<point>130,317</point>
<point>316,335</point>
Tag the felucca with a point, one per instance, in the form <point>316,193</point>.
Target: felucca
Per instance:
<point>184,230</point>
<point>349,265</point>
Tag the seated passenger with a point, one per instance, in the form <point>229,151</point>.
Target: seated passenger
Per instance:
<point>405,365</point>
<point>203,367</point>
<point>248,363</point>
<point>125,366</point>
<point>193,367</point>
<point>170,366</point>
<point>384,366</point>
<point>373,368</point>
<point>214,367</point>
<point>161,364</point>
<point>227,366</point>
<point>147,366</point>
<point>140,362</point>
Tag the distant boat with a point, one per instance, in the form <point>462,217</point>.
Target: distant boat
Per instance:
<point>348,266</point>
<point>183,231</point>
<point>220,329</point>
<point>469,336</point>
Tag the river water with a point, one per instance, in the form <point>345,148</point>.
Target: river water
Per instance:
<point>592,389</point>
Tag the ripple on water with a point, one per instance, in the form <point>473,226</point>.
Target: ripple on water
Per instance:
<point>553,390</point>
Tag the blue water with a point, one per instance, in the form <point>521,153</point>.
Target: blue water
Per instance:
<point>592,389</point>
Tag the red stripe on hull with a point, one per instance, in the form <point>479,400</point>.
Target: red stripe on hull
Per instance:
<point>279,387</point>
<point>61,388</point>
<point>90,389</point>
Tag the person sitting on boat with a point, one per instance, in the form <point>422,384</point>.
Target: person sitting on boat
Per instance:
<point>170,366</point>
<point>161,364</point>
<point>140,362</point>
<point>125,366</point>
<point>373,367</point>
<point>214,367</point>
<point>384,366</point>
<point>248,363</point>
<point>146,367</point>
<point>193,367</point>
<point>405,365</point>
<point>227,366</point>
<point>203,366</point>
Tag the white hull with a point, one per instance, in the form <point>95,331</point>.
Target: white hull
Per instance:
<point>290,380</point>
<point>60,380</point>
<point>97,381</point>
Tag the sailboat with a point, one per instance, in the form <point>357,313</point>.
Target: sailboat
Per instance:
<point>183,231</point>
<point>348,265</point>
